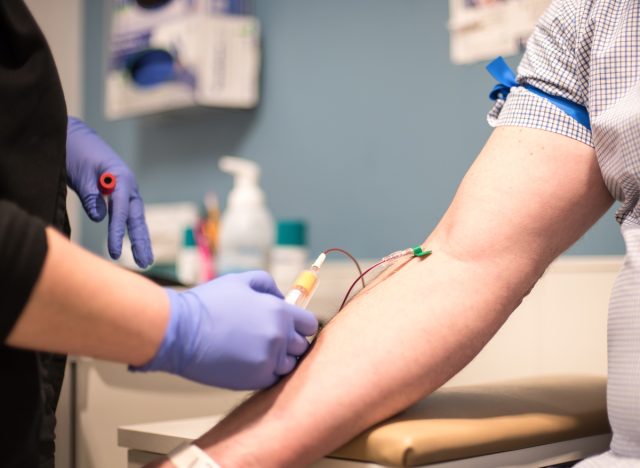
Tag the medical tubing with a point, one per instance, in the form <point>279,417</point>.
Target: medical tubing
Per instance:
<point>301,296</point>
<point>413,251</point>
<point>361,277</point>
<point>342,251</point>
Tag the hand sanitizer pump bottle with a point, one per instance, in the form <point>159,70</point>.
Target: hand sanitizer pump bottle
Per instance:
<point>246,226</point>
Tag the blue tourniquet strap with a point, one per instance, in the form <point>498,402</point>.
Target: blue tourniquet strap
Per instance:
<point>507,79</point>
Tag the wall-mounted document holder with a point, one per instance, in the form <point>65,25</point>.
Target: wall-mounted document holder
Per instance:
<point>174,54</point>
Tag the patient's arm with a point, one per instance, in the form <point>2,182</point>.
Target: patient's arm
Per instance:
<point>529,196</point>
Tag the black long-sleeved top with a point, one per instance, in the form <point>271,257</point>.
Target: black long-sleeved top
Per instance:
<point>32,153</point>
<point>32,195</point>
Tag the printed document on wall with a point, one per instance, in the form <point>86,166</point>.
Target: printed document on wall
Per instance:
<point>483,29</point>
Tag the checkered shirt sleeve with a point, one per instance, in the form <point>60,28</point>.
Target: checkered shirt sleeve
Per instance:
<point>549,64</point>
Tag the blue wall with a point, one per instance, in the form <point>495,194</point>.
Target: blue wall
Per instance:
<point>364,128</point>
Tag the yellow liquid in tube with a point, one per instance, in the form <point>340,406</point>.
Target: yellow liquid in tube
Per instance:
<point>303,288</point>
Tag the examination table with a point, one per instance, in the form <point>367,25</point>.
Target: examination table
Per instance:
<point>532,422</point>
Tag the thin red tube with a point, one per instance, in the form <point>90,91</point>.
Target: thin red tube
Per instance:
<point>342,251</point>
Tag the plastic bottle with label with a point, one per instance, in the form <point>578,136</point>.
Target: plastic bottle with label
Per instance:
<point>290,254</point>
<point>246,226</point>
<point>188,261</point>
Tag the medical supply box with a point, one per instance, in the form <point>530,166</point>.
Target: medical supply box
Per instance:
<point>175,54</point>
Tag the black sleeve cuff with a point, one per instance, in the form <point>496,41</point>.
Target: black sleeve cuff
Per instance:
<point>23,248</point>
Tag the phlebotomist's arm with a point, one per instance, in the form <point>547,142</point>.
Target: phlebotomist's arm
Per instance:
<point>234,332</point>
<point>57,297</point>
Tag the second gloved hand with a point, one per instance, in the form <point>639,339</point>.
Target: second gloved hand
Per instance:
<point>234,332</point>
<point>88,156</point>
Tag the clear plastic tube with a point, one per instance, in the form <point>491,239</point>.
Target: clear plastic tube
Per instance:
<point>305,284</point>
<point>385,262</point>
<point>396,255</point>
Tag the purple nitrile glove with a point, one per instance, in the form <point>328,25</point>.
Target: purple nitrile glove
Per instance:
<point>234,332</point>
<point>88,156</point>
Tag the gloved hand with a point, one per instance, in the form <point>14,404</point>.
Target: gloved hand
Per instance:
<point>234,332</point>
<point>88,156</point>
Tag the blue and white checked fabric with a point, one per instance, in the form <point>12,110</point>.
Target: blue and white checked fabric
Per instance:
<point>588,51</point>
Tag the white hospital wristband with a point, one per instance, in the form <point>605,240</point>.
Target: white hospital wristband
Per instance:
<point>188,455</point>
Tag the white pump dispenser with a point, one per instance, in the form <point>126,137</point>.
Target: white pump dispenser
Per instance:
<point>246,226</point>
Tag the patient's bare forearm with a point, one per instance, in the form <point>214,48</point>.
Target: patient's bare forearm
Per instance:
<point>527,198</point>
<point>379,357</point>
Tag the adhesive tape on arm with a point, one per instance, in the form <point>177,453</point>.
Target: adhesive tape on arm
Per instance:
<point>188,455</point>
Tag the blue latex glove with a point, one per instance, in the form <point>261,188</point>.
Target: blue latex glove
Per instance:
<point>234,332</point>
<point>88,156</point>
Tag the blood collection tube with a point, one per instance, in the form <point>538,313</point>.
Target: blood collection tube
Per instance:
<point>107,183</point>
<point>305,285</point>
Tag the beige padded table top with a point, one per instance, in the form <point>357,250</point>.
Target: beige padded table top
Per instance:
<point>453,423</point>
<point>462,422</point>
